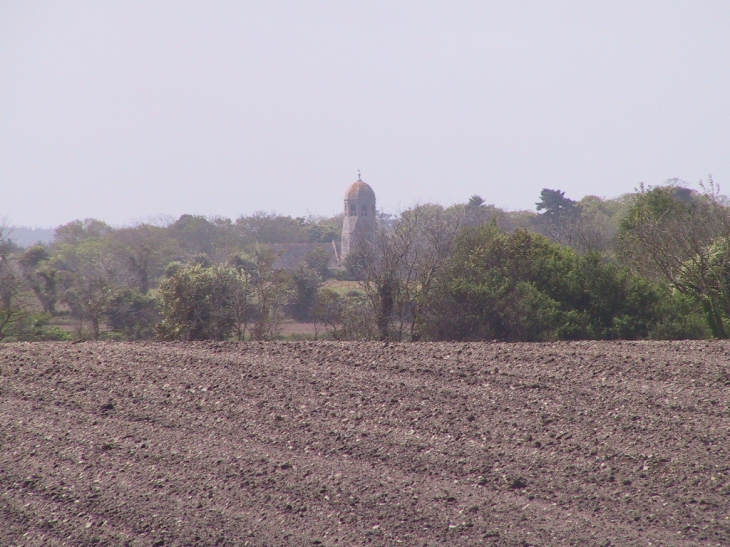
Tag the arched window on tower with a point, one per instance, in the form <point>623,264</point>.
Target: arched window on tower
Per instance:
<point>364,209</point>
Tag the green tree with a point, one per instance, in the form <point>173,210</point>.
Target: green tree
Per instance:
<point>678,235</point>
<point>476,201</point>
<point>555,205</point>
<point>307,282</point>
<point>264,227</point>
<point>133,314</point>
<point>597,223</point>
<point>523,287</point>
<point>38,271</point>
<point>349,317</point>
<point>329,310</point>
<point>323,229</point>
<point>79,231</point>
<point>197,302</point>
<point>559,217</point>
<point>195,234</point>
<point>476,212</point>
<point>13,302</point>
<point>318,260</point>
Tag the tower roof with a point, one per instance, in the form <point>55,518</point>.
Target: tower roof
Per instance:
<point>360,190</point>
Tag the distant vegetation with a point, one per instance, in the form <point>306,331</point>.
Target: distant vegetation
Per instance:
<point>25,237</point>
<point>651,264</point>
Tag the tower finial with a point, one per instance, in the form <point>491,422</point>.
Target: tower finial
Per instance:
<point>358,175</point>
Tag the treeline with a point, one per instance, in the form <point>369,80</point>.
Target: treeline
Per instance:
<point>652,264</point>
<point>100,282</point>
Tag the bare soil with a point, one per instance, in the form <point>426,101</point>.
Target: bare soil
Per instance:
<point>348,444</point>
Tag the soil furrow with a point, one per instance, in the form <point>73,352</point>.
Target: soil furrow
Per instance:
<point>365,444</point>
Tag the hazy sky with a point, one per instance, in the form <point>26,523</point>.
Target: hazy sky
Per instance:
<point>130,109</point>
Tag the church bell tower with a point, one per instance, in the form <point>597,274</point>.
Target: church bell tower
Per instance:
<point>359,214</point>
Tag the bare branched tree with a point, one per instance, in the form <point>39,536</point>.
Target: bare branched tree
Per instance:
<point>144,250</point>
<point>90,289</point>
<point>397,264</point>
<point>263,293</point>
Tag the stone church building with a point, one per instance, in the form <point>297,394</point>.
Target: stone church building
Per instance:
<point>359,219</point>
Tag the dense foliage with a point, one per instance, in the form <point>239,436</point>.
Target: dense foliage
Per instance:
<point>522,286</point>
<point>653,264</point>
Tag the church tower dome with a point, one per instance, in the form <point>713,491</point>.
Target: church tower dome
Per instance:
<point>359,214</point>
<point>359,190</point>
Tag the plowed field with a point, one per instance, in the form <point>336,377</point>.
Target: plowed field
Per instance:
<point>348,444</point>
